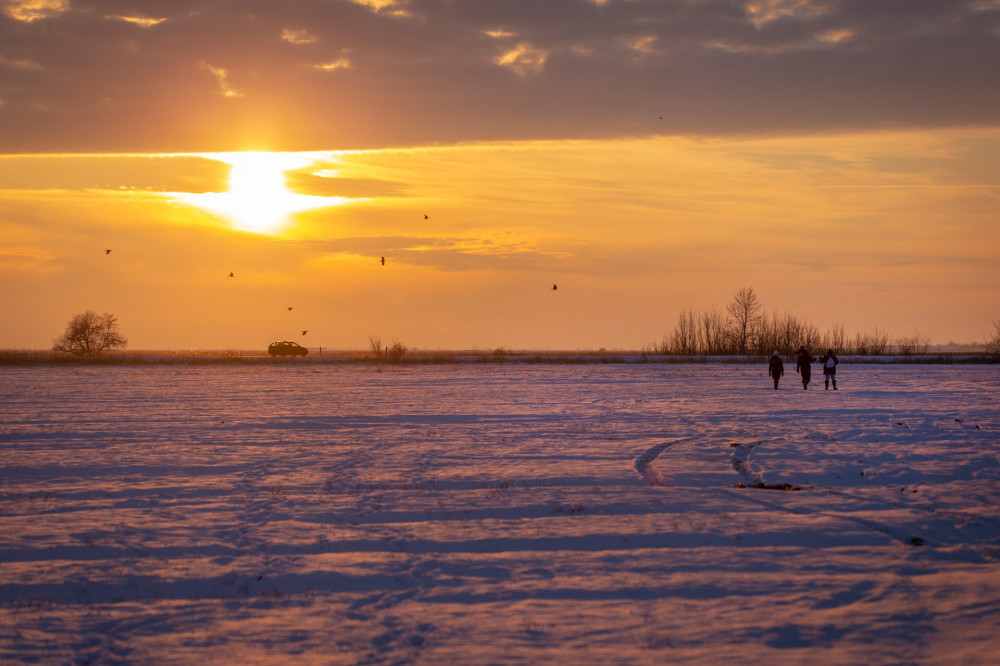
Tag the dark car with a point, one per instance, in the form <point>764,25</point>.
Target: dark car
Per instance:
<point>286,348</point>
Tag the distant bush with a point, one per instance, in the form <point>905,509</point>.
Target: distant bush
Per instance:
<point>391,353</point>
<point>395,352</point>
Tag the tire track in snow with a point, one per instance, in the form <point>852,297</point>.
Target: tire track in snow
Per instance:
<point>754,479</point>
<point>644,462</point>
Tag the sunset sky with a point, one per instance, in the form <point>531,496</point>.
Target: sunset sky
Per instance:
<point>840,157</point>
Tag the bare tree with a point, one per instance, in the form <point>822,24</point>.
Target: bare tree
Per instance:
<point>713,333</point>
<point>744,317</point>
<point>784,333</point>
<point>835,337</point>
<point>913,344</point>
<point>879,342</point>
<point>993,345</point>
<point>90,334</point>
<point>684,339</point>
<point>875,343</point>
<point>770,332</point>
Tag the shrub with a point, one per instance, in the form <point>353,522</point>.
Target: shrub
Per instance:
<point>388,353</point>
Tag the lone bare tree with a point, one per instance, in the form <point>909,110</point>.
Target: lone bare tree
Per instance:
<point>744,316</point>
<point>90,334</point>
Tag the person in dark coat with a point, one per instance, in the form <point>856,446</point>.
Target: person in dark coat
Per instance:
<point>802,361</point>
<point>829,361</point>
<point>775,368</point>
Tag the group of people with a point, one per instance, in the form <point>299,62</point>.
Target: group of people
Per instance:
<point>803,366</point>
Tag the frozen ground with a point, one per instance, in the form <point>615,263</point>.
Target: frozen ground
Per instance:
<point>475,514</point>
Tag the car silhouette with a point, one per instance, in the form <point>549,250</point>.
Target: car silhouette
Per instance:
<point>286,348</point>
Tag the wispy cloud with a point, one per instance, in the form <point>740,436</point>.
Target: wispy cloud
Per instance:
<point>222,77</point>
<point>342,62</point>
<point>30,11</point>
<point>390,7</point>
<point>18,64</point>
<point>298,36</point>
<point>763,12</point>
<point>141,21</point>
<point>523,59</point>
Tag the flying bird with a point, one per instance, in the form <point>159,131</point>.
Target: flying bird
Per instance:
<point>555,287</point>
<point>107,252</point>
<point>231,275</point>
<point>289,309</point>
<point>425,216</point>
<point>383,261</point>
<point>304,332</point>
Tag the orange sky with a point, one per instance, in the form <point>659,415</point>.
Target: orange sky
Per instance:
<point>840,158</point>
<point>893,230</point>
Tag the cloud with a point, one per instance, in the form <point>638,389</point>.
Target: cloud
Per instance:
<point>30,11</point>
<point>333,65</point>
<point>98,78</point>
<point>298,36</point>
<point>643,45</point>
<point>141,21</point>
<point>327,185</point>
<point>523,59</point>
<point>18,64</point>
<point>762,12</point>
<point>390,7</point>
<point>487,250</point>
<point>222,76</point>
<point>156,173</point>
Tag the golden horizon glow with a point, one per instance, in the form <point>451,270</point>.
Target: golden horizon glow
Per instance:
<point>258,199</point>
<point>891,229</point>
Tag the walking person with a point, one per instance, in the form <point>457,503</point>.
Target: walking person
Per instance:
<point>803,367</point>
<point>829,361</point>
<point>775,368</point>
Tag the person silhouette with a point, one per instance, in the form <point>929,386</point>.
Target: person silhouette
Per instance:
<point>802,361</point>
<point>829,361</point>
<point>775,368</point>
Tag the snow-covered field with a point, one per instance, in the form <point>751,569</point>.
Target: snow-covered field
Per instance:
<point>491,513</point>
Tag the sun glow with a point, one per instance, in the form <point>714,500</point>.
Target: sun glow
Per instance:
<point>258,199</point>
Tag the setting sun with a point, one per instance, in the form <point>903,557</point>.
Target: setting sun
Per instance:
<point>258,199</point>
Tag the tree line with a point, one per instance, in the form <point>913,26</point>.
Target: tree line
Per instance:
<point>745,328</point>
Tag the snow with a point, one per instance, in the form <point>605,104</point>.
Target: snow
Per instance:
<point>498,513</point>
